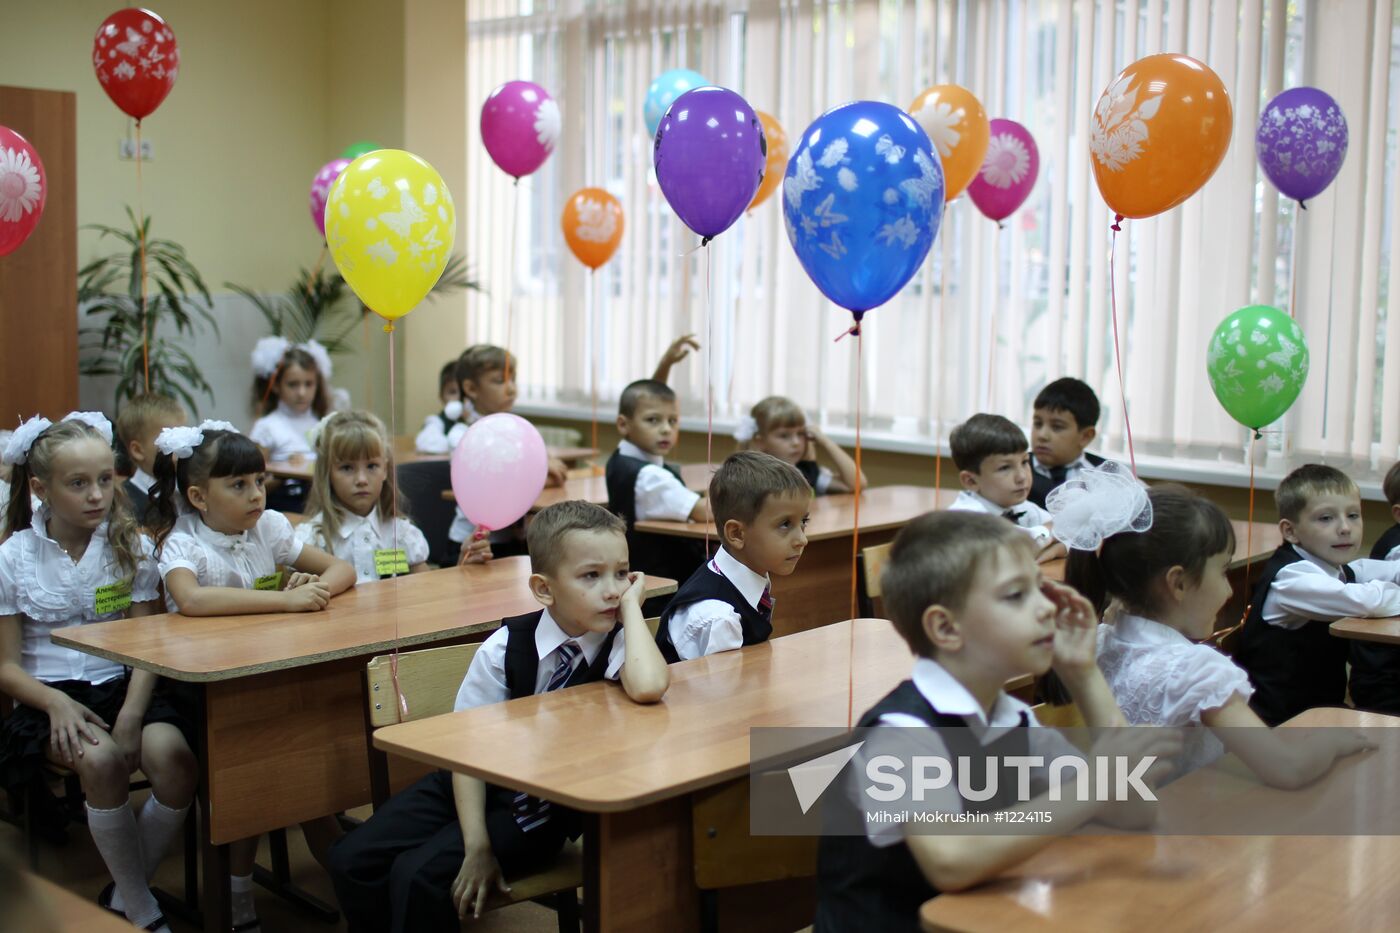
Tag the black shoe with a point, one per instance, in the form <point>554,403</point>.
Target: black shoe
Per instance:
<point>104,899</point>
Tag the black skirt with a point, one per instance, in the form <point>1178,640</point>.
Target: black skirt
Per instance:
<point>24,734</point>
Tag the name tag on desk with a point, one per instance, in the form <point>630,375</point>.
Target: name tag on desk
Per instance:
<point>115,597</point>
<point>390,562</point>
<point>272,581</point>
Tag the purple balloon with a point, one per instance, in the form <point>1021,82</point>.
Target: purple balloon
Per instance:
<point>1008,171</point>
<point>519,126</point>
<point>321,189</point>
<point>1301,142</point>
<point>709,157</point>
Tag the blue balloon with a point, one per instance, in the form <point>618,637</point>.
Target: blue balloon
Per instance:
<point>862,201</point>
<point>662,93</point>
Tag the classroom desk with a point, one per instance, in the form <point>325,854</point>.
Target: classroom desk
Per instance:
<point>1252,544</point>
<point>1138,882</point>
<point>1380,631</point>
<point>404,452</point>
<point>69,912</point>
<point>819,591</point>
<point>281,734</point>
<point>634,768</point>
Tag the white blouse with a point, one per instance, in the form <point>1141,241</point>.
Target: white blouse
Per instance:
<point>434,440</point>
<point>283,433</point>
<point>1162,678</point>
<point>359,537</point>
<point>237,561</point>
<point>44,586</point>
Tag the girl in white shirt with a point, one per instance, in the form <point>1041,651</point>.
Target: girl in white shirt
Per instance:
<point>356,512</point>
<point>778,426</point>
<point>223,557</point>
<point>290,394</point>
<point>1163,587</point>
<point>80,559</point>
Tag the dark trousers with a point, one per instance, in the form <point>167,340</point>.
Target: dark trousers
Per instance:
<point>395,871</point>
<point>1375,677</point>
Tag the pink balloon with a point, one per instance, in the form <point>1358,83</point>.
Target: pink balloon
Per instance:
<point>1008,171</point>
<point>321,189</point>
<point>519,125</point>
<point>498,470</point>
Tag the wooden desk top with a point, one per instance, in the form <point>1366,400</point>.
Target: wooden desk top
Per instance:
<point>411,610</point>
<point>593,749</point>
<point>1381,631</point>
<point>591,486</point>
<point>69,912</point>
<point>1126,882</point>
<point>881,508</point>
<point>1264,539</point>
<point>404,452</point>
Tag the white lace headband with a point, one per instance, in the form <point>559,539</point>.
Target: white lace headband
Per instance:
<point>21,440</point>
<point>268,352</point>
<point>181,441</point>
<point>1097,503</point>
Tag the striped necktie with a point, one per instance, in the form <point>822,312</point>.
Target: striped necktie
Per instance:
<point>532,812</point>
<point>765,605</point>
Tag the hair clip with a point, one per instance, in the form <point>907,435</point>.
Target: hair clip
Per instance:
<point>179,441</point>
<point>267,355</point>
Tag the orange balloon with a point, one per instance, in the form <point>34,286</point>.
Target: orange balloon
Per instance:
<point>1159,132</point>
<point>776,166</point>
<point>592,225</point>
<point>957,126</point>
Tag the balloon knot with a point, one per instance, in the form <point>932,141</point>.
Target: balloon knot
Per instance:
<point>1258,434</point>
<point>705,240</point>
<point>1117,223</point>
<point>1303,205</point>
<point>388,327</point>
<point>1001,225</point>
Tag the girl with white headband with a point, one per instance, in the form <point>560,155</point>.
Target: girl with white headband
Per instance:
<point>291,394</point>
<point>78,559</point>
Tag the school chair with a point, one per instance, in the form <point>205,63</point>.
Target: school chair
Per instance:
<point>868,570</point>
<point>422,482</point>
<point>1067,716</point>
<point>428,680</point>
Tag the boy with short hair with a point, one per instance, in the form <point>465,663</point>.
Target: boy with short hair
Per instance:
<point>436,851</point>
<point>442,431</point>
<point>760,505</point>
<point>140,420</point>
<point>994,469</point>
<point>1311,581</point>
<point>642,486</point>
<point>1375,668</point>
<point>963,590</point>
<point>1064,423</point>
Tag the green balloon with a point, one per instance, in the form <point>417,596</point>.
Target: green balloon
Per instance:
<point>1257,362</point>
<point>355,150</point>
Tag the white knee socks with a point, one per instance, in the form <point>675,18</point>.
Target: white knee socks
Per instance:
<point>118,841</point>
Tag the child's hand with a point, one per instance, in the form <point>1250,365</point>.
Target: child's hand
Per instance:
<point>1052,551</point>
<point>679,349</point>
<point>636,590</point>
<point>476,549</point>
<point>309,597</point>
<point>1348,742</point>
<point>70,726</point>
<point>127,734</point>
<point>1076,629</point>
<point>479,875</point>
<point>1137,743</point>
<point>557,473</point>
<point>298,578</point>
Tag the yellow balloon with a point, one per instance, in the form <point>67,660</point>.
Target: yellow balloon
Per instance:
<point>390,225</point>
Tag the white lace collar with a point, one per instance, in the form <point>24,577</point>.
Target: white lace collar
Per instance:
<point>1145,631</point>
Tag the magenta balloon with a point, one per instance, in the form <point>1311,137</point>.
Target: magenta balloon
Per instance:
<point>1008,171</point>
<point>520,126</point>
<point>709,157</point>
<point>498,470</point>
<point>321,188</point>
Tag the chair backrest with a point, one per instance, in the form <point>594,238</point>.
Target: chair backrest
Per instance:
<point>560,437</point>
<point>654,623</point>
<point>428,679</point>
<point>423,482</point>
<point>1063,717</point>
<point>872,565</point>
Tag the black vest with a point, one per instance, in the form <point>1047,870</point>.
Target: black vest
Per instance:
<point>811,471</point>
<point>1375,668</point>
<point>659,555</point>
<point>447,423</point>
<point>139,501</point>
<point>1291,669</point>
<point>1041,485</point>
<point>705,584</point>
<point>863,887</point>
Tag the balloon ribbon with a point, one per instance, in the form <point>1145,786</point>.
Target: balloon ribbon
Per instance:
<point>1117,350</point>
<point>855,536</point>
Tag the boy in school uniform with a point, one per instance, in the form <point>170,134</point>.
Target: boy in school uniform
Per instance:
<point>1375,668</point>
<point>760,505</point>
<point>436,851</point>
<point>1064,423</point>
<point>141,419</point>
<point>1311,581</point>
<point>441,431</point>
<point>994,469</point>
<point>964,591</point>
<point>643,486</point>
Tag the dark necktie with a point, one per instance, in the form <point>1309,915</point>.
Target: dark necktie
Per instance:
<point>1013,515</point>
<point>532,812</point>
<point>1058,474</point>
<point>765,605</point>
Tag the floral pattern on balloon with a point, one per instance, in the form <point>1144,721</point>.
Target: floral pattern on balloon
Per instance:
<point>1120,132</point>
<point>1257,361</point>
<point>1301,142</point>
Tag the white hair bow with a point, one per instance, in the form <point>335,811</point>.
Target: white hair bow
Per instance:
<point>313,436</point>
<point>17,448</point>
<point>94,419</point>
<point>268,352</point>
<point>1097,503</point>
<point>182,440</point>
<point>746,429</point>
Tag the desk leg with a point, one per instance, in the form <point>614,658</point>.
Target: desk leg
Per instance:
<point>217,901</point>
<point>639,871</point>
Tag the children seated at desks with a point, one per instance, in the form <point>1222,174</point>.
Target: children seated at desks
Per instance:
<point>442,431</point>
<point>1311,581</point>
<point>760,505</point>
<point>1374,683</point>
<point>1066,413</point>
<point>79,559</point>
<point>222,557</point>
<point>1168,584</point>
<point>290,394</point>
<point>140,420</point>
<point>964,591</point>
<point>642,486</point>
<point>435,852</point>
<point>353,510</point>
<point>994,468</point>
<point>779,427</point>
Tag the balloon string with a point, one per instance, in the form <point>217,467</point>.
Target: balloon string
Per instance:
<point>938,382</point>
<point>510,275</point>
<point>1219,637</point>
<point>593,357</point>
<point>1293,267</point>
<point>394,511</point>
<point>709,383</point>
<point>855,537</point>
<point>364,340</point>
<point>992,339</point>
<point>1117,350</point>
<point>141,231</point>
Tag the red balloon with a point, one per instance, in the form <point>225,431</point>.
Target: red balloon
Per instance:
<point>24,187</point>
<point>136,60</point>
